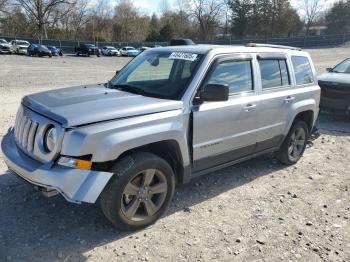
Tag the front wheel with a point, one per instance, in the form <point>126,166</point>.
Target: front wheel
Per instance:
<point>294,144</point>
<point>140,191</point>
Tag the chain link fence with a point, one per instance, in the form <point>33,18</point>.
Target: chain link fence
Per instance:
<point>299,41</point>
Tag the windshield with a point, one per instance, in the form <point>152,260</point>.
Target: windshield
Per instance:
<point>22,43</point>
<point>158,74</point>
<point>2,41</point>
<point>343,67</point>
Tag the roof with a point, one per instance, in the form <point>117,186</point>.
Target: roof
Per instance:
<point>203,49</point>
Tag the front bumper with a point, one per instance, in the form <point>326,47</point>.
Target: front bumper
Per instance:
<point>76,185</point>
<point>340,106</point>
<point>22,51</point>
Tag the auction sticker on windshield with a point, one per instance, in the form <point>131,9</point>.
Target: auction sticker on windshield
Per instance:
<point>183,56</point>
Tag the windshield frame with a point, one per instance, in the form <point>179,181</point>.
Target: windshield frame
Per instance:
<point>179,95</point>
<point>342,62</point>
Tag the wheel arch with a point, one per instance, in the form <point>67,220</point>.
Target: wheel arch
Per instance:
<point>169,150</point>
<point>306,116</point>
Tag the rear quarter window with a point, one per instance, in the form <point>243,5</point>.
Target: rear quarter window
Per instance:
<point>302,70</point>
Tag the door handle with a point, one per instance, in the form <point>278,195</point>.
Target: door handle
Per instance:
<point>249,107</point>
<point>289,99</point>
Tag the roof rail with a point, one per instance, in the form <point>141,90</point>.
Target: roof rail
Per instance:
<point>273,46</point>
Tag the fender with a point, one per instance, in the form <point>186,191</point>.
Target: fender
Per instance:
<point>107,141</point>
<point>301,106</point>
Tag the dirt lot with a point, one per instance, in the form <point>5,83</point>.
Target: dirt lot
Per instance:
<point>255,211</point>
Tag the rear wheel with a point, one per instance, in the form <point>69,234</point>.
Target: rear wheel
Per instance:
<point>294,144</point>
<point>140,191</point>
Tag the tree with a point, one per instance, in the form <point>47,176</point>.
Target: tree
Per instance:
<point>3,5</point>
<point>207,14</point>
<point>241,14</point>
<point>167,32</point>
<point>338,18</point>
<point>312,10</point>
<point>40,11</point>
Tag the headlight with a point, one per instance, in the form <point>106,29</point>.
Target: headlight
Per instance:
<point>50,139</point>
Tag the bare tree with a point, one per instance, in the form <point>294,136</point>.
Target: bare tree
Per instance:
<point>312,10</point>
<point>40,11</point>
<point>79,17</point>
<point>3,4</point>
<point>207,14</point>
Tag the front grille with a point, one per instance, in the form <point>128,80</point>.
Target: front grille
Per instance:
<point>25,132</point>
<point>4,48</point>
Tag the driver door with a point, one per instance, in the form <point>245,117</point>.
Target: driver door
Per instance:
<point>225,131</point>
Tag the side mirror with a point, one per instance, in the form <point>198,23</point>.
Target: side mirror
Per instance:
<point>329,69</point>
<point>116,72</point>
<point>214,93</point>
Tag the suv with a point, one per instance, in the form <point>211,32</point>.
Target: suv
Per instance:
<point>20,46</point>
<point>87,49</point>
<point>171,114</point>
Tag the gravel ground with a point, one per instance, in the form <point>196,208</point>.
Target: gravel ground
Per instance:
<point>254,211</point>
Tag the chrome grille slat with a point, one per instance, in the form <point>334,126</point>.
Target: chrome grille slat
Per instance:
<point>26,132</point>
<point>21,128</point>
<point>31,136</point>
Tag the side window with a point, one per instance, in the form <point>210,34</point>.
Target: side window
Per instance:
<point>274,73</point>
<point>302,70</point>
<point>236,74</point>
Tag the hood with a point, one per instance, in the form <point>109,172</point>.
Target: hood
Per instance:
<point>5,45</point>
<point>341,78</point>
<point>82,105</point>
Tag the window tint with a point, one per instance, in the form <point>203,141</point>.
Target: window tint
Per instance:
<point>236,74</point>
<point>274,73</point>
<point>147,72</point>
<point>302,70</point>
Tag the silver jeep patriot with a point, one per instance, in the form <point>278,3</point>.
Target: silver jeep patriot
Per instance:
<point>171,114</point>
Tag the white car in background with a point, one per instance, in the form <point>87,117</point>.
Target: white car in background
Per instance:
<point>129,51</point>
<point>110,51</point>
<point>20,46</point>
<point>5,47</point>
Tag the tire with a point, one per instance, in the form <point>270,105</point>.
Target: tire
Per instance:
<point>294,144</point>
<point>130,174</point>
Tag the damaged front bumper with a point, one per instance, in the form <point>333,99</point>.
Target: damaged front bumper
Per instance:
<point>76,185</point>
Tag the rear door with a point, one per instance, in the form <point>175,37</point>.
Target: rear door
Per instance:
<point>276,99</point>
<point>225,131</point>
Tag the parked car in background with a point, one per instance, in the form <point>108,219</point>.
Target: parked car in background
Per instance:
<point>20,46</point>
<point>168,116</point>
<point>129,51</point>
<point>110,51</point>
<point>154,46</point>
<point>335,88</point>
<point>38,50</point>
<point>87,49</point>
<point>55,51</point>
<point>5,47</point>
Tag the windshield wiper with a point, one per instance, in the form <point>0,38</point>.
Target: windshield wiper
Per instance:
<point>129,88</point>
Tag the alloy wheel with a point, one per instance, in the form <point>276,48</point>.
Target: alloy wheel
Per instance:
<point>297,143</point>
<point>144,195</point>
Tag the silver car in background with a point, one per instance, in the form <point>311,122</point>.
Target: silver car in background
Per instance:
<point>171,114</point>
